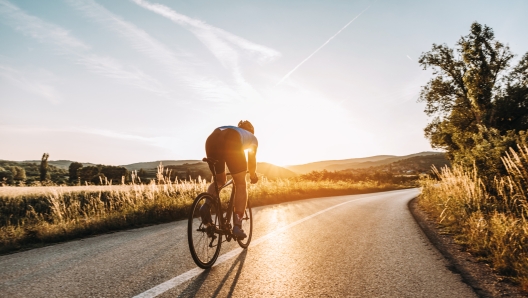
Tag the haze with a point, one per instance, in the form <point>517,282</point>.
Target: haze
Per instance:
<point>118,82</point>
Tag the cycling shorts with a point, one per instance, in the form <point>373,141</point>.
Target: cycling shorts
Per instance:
<point>225,146</point>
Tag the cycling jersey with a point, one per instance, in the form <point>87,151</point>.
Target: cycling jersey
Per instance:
<point>226,145</point>
<point>249,141</point>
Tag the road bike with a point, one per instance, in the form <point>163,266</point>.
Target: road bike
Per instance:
<point>205,239</point>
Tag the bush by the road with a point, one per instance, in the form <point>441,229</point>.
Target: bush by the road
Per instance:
<point>491,222</point>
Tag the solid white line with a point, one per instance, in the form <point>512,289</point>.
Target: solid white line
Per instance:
<point>178,280</point>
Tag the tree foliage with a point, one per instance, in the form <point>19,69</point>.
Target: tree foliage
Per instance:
<point>44,175</point>
<point>114,173</point>
<point>73,171</point>
<point>478,102</point>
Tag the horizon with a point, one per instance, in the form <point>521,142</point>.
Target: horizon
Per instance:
<point>199,160</point>
<point>115,82</point>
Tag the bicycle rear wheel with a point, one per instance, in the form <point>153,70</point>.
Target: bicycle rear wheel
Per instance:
<point>247,226</point>
<point>204,244</point>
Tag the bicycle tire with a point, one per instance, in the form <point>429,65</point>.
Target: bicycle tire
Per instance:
<point>247,226</point>
<point>204,249</point>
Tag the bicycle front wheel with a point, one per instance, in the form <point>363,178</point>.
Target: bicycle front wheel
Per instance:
<point>247,226</point>
<point>204,243</point>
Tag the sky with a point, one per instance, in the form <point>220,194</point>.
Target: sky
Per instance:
<point>118,82</point>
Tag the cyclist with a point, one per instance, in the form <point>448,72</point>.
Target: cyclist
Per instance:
<point>226,145</point>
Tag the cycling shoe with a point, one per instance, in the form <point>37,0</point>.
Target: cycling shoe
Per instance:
<point>239,233</point>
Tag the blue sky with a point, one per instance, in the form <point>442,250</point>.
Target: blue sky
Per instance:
<point>118,82</point>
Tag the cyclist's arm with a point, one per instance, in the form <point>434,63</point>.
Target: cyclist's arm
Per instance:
<point>252,161</point>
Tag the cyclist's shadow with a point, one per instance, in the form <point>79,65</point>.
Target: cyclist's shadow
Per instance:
<point>194,287</point>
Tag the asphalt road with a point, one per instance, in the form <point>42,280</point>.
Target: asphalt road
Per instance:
<point>349,246</point>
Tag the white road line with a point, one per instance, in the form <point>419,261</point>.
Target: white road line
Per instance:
<point>178,280</point>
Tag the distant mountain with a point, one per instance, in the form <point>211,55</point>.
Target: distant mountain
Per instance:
<point>274,172</point>
<point>353,163</point>
<point>183,167</point>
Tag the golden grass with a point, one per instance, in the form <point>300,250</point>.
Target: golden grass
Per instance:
<point>35,215</point>
<point>492,223</point>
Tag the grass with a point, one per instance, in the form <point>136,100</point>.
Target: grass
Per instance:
<point>492,222</point>
<point>34,216</point>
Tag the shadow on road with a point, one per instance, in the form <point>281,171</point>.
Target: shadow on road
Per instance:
<point>192,289</point>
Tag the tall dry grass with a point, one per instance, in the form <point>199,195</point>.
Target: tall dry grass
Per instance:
<point>492,222</point>
<point>32,216</point>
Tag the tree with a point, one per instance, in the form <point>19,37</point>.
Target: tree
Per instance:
<point>73,171</point>
<point>19,174</point>
<point>114,173</point>
<point>6,176</point>
<point>142,174</point>
<point>44,175</point>
<point>479,106</point>
<point>86,174</point>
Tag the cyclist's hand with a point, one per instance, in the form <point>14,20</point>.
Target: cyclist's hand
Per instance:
<point>253,178</point>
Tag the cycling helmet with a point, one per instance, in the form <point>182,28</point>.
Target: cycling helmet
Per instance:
<point>247,126</point>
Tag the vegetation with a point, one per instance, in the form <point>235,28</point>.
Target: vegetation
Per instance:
<point>73,171</point>
<point>478,103</point>
<point>480,109</point>
<point>491,223</point>
<point>14,173</point>
<point>37,215</point>
<point>44,175</point>
<point>403,172</point>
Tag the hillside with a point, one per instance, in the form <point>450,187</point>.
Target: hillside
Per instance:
<point>274,172</point>
<point>155,164</point>
<point>181,168</point>
<point>353,163</point>
<point>201,169</point>
<point>61,164</point>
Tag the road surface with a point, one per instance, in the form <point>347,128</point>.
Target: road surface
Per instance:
<point>349,246</point>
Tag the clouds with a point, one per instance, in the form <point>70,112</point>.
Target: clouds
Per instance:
<point>40,83</point>
<point>190,77</point>
<point>228,48</point>
<point>166,58</point>
<point>158,141</point>
<point>67,45</point>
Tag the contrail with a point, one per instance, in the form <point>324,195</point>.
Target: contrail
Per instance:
<point>324,44</point>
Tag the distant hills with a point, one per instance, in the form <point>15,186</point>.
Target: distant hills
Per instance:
<point>155,164</point>
<point>418,162</point>
<point>180,167</point>
<point>356,163</point>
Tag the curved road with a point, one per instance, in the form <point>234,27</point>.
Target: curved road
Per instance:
<point>350,246</point>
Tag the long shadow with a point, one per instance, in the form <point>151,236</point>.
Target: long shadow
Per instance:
<point>192,289</point>
<point>240,261</point>
<point>195,285</point>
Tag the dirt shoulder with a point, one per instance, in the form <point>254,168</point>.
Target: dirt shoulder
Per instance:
<point>478,275</point>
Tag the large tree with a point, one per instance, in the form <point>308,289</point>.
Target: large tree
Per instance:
<point>479,104</point>
<point>44,175</point>
<point>73,171</point>
<point>114,173</point>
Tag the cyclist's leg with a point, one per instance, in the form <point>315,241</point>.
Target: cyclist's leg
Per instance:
<point>220,180</point>
<point>236,162</point>
<point>214,151</point>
